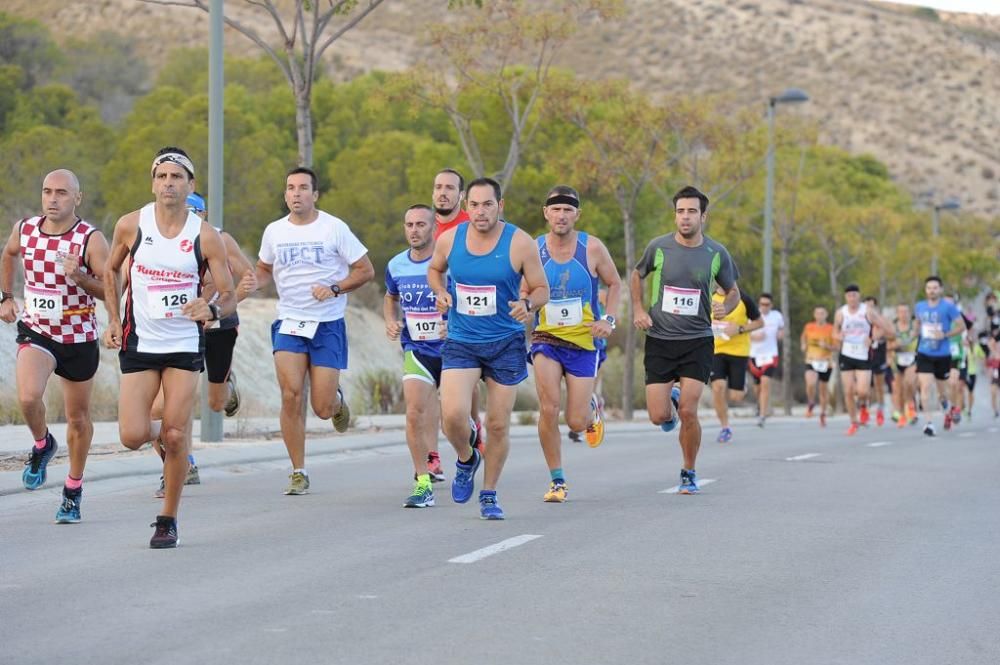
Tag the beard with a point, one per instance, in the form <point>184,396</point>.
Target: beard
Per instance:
<point>444,212</point>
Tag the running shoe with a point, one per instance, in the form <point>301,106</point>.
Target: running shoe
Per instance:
<point>822,419</point>
<point>675,398</point>
<point>342,418</point>
<point>36,468</point>
<point>852,430</point>
<point>298,484</point>
<point>947,420</point>
<point>865,416</point>
<point>689,483</point>
<point>556,494</point>
<point>929,429</point>
<point>161,491</point>
<point>896,415</point>
<point>911,413</point>
<point>879,418</point>
<point>902,421</point>
<point>595,430</point>
<point>192,477</point>
<point>478,435</point>
<point>809,410</point>
<point>489,507</point>
<point>422,496</point>
<point>434,467</point>
<point>761,421</point>
<point>464,483</point>
<point>575,436</point>
<point>956,415</point>
<point>165,535</point>
<point>233,405</point>
<point>726,435</point>
<point>69,511</point>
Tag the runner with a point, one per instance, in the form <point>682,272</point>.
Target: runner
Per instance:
<point>732,352</point>
<point>993,366</point>
<point>159,332</point>
<point>449,192</point>
<point>817,345</point>
<point>314,258</point>
<point>679,345</point>
<point>564,340</point>
<point>940,321</point>
<point>486,259</point>
<point>976,360</point>
<point>63,261</point>
<point>904,348</point>
<point>958,373</point>
<point>420,334</point>
<point>881,373</point>
<point>852,331</point>
<point>764,353</point>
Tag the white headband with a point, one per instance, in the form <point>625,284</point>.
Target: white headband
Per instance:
<point>176,158</point>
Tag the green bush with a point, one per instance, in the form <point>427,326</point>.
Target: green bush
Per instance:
<point>611,377</point>
<point>381,391</point>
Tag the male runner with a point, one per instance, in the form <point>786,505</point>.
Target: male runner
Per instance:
<point>732,351</point>
<point>449,192</point>
<point>940,321</point>
<point>420,333</point>
<point>684,266</point>
<point>817,345</point>
<point>63,260</point>
<point>852,331</point>
<point>904,348</point>
<point>160,331</point>
<point>563,342</point>
<point>764,353</point>
<point>315,260</point>
<point>881,372</point>
<point>486,259</point>
<point>958,374</point>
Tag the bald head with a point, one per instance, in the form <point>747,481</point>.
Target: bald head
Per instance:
<point>60,196</point>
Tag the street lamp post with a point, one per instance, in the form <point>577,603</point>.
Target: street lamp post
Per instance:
<point>950,204</point>
<point>789,96</point>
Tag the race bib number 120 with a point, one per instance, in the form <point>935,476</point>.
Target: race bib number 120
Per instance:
<point>43,303</point>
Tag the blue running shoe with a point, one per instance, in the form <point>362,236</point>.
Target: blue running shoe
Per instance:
<point>489,508</point>
<point>69,511</point>
<point>464,483</point>
<point>726,435</point>
<point>675,398</point>
<point>35,470</point>
<point>689,483</point>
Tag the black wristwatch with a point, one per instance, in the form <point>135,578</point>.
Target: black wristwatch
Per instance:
<point>336,290</point>
<point>7,295</point>
<point>212,307</point>
<point>527,304</point>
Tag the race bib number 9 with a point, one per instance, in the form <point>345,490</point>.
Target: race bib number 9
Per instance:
<point>167,300</point>
<point>476,300</point>
<point>567,312</point>
<point>423,326</point>
<point>296,328</point>
<point>42,303</point>
<point>682,302</point>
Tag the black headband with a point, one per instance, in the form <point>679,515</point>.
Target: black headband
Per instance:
<point>562,198</point>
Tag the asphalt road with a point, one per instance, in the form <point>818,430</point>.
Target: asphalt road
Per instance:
<point>808,548</point>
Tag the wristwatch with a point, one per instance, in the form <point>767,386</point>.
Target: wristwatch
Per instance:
<point>336,290</point>
<point>610,319</point>
<point>212,307</point>
<point>7,295</point>
<point>527,304</point>
<point>740,329</point>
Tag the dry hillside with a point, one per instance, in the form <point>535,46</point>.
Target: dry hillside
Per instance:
<point>922,95</point>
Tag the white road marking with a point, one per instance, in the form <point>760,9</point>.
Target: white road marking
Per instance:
<point>701,483</point>
<point>966,435</point>
<point>879,444</point>
<point>799,458</point>
<point>496,548</point>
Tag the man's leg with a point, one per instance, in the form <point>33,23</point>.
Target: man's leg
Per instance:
<point>218,395</point>
<point>862,386</point>
<point>323,385</point>
<point>690,434</point>
<point>811,381</point>
<point>499,405</point>
<point>548,385</point>
<point>79,427</point>
<point>291,371</point>
<point>719,400</point>
<point>848,379</point>
<point>457,386</point>
<point>422,415</point>
<point>137,394</point>
<point>179,389</point>
<point>33,369</point>
<point>765,395</point>
<point>658,404</point>
<point>927,400</point>
<point>823,388</point>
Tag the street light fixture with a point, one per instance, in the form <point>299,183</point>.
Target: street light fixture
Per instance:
<point>950,204</point>
<point>789,96</point>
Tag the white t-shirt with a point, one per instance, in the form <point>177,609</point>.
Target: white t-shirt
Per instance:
<point>303,256</point>
<point>773,322</point>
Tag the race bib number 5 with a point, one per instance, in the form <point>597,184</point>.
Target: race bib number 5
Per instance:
<point>43,303</point>
<point>167,300</point>
<point>476,300</point>
<point>683,302</point>
<point>298,328</point>
<point>423,326</point>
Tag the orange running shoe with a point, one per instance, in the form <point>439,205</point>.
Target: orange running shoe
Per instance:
<point>865,416</point>
<point>879,418</point>
<point>852,430</point>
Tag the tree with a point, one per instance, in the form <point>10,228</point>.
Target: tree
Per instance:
<point>304,38</point>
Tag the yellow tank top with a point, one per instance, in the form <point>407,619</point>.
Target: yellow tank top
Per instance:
<point>816,333</point>
<point>738,345</point>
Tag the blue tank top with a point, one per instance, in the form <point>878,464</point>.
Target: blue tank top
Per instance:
<point>407,280</point>
<point>572,296</point>
<point>480,288</point>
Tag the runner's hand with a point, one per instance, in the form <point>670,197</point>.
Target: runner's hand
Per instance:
<point>718,310</point>
<point>113,336</point>
<point>732,330</point>
<point>197,310</point>
<point>393,329</point>
<point>8,311</point>
<point>322,293</point>
<point>642,320</point>
<point>443,329</point>
<point>518,311</point>
<point>71,266</point>
<point>247,285</point>
<point>599,329</point>
<point>443,302</point>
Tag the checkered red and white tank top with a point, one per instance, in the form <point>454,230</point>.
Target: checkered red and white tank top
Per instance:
<point>43,255</point>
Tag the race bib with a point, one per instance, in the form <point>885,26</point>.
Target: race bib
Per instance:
<point>296,328</point>
<point>931,331</point>
<point>856,350</point>
<point>820,366</point>
<point>423,326</point>
<point>719,330</point>
<point>955,349</point>
<point>682,302</point>
<point>476,300</point>
<point>166,300</point>
<point>905,359</point>
<point>763,361</point>
<point>566,312</point>
<point>42,303</point>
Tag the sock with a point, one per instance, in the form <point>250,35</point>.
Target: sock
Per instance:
<point>42,442</point>
<point>468,462</point>
<point>73,484</point>
<point>191,460</point>
<point>557,475</point>
<point>433,455</point>
<point>424,479</point>
<point>302,471</point>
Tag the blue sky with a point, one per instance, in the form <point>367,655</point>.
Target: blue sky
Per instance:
<point>972,6</point>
